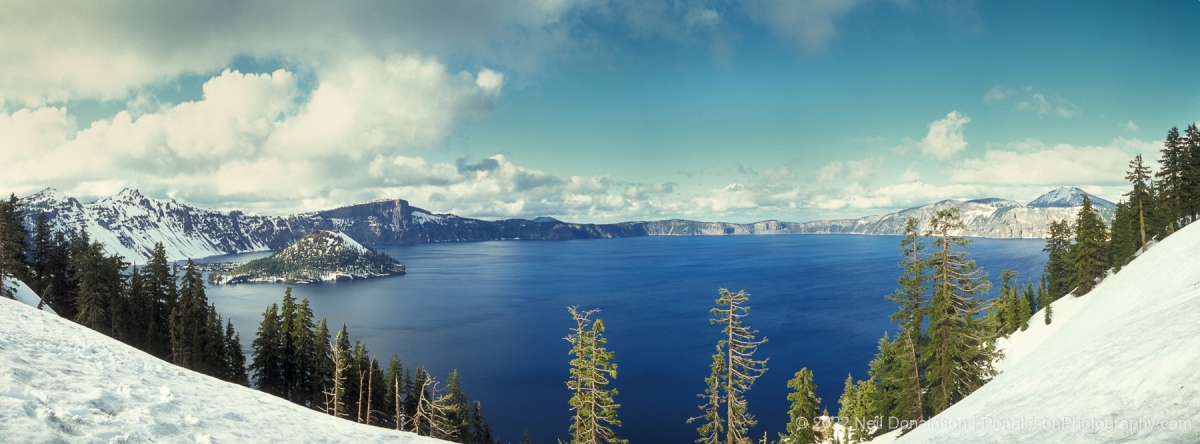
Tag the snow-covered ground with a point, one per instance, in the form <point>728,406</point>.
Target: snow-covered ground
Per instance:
<point>1118,364</point>
<point>24,294</point>
<point>61,382</point>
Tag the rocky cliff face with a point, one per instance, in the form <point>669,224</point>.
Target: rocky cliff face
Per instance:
<point>130,224</point>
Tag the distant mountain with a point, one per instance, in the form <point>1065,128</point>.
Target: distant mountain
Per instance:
<point>318,256</point>
<point>129,224</point>
<point>1068,197</point>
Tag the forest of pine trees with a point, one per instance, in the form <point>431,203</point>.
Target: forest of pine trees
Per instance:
<point>151,308</point>
<point>295,358</point>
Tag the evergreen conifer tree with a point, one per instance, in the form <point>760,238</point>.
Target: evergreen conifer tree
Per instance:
<point>734,370</point>
<point>12,223</point>
<point>1089,254</point>
<point>1058,265</point>
<point>267,364</point>
<point>804,410</point>
<point>592,369</point>
<point>236,371</point>
<point>958,360</point>
<point>912,298</point>
<point>1140,197</point>
<point>1170,180</point>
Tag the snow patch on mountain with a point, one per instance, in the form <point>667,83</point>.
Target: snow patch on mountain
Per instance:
<point>1068,197</point>
<point>61,382</point>
<point>1116,365</point>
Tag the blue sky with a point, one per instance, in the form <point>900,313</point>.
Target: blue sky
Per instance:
<point>599,110</point>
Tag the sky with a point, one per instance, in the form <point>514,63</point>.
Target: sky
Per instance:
<point>590,110</point>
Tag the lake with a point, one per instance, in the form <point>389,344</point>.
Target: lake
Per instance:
<point>496,311</point>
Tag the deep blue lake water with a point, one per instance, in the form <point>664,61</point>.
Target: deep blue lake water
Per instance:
<point>496,311</point>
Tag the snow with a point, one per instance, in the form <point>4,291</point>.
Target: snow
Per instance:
<point>24,294</point>
<point>347,241</point>
<point>1068,197</point>
<point>1117,364</point>
<point>420,218</point>
<point>61,382</point>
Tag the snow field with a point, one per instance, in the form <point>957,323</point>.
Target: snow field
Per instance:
<point>61,382</point>
<point>1117,364</point>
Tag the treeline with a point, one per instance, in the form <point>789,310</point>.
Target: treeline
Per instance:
<point>296,359</point>
<point>151,308</point>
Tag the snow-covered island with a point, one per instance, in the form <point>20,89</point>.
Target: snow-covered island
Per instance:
<point>317,257</point>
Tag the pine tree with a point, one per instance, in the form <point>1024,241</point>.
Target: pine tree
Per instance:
<point>1009,308</point>
<point>268,358</point>
<point>525,438</point>
<point>804,410</point>
<point>592,367</point>
<point>958,357</point>
<point>324,366</point>
<point>1058,266</point>
<point>236,370</point>
<point>1124,243</point>
<point>159,286</point>
<point>1088,255</point>
<point>1141,197</point>
<point>848,410</point>
<point>1026,306</point>
<point>1170,180</point>
<point>734,370</point>
<point>1044,296</point>
<point>12,224</point>
<point>395,391</point>
<point>457,414</point>
<point>911,298</point>
<point>304,355</point>
<point>1190,174</point>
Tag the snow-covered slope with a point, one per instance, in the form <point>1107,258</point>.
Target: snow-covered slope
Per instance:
<point>25,295</point>
<point>61,382</point>
<point>319,256</point>
<point>1068,197</point>
<point>1118,364</point>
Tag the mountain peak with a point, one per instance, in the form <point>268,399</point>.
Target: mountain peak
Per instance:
<point>1068,197</point>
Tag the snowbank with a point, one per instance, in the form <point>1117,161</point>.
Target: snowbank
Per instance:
<point>1118,364</point>
<point>61,382</point>
<point>25,295</point>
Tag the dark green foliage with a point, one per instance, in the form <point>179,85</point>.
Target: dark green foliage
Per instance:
<point>13,236</point>
<point>734,370</point>
<point>1141,198</point>
<point>269,356</point>
<point>911,297</point>
<point>1170,181</point>
<point>957,360</point>
<point>1044,296</point>
<point>805,408</point>
<point>1124,241</point>
<point>1089,254</point>
<point>1058,269</point>
<point>525,438</point>
<point>235,360</point>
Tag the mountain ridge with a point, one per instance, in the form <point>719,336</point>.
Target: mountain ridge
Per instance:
<point>130,223</point>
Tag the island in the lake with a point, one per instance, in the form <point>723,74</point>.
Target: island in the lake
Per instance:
<point>317,257</point>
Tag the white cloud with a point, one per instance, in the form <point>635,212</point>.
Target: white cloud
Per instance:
<point>945,138</point>
<point>1027,98</point>
<point>1058,165</point>
<point>1130,126</point>
<point>57,51</point>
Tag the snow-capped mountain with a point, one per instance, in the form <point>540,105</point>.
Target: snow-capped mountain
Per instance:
<point>129,224</point>
<point>993,218</point>
<point>1068,197</point>
<point>62,382</point>
<point>319,256</point>
<point>1115,365</point>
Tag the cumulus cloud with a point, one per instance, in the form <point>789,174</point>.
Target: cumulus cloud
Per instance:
<point>57,51</point>
<point>849,170</point>
<point>945,138</point>
<point>1027,98</point>
<point>1057,165</point>
<point>253,136</point>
